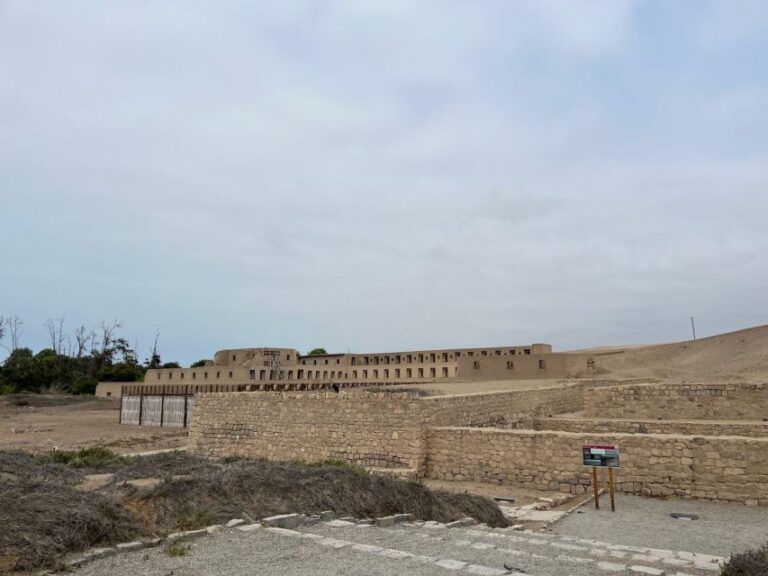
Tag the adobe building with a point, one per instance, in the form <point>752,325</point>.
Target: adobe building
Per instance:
<point>245,366</point>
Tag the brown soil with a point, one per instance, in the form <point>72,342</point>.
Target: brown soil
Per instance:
<point>735,356</point>
<point>40,423</point>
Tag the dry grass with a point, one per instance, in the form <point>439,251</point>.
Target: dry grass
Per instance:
<point>44,516</point>
<point>749,563</point>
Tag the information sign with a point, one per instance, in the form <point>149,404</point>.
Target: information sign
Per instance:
<point>602,455</point>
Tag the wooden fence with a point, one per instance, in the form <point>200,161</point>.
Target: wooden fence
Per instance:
<point>167,410</point>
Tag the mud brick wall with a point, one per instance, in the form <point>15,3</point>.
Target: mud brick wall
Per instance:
<point>680,401</point>
<point>687,428</point>
<point>371,429</point>
<point>495,408</point>
<point>727,468</point>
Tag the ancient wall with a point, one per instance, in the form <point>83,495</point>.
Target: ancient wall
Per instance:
<point>725,468</point>
<point>685,427</point>
<point>680,401</point>
<point>500,408</point>
<point>382,429</point>
<point>514,367</point>
<point>371,429</point>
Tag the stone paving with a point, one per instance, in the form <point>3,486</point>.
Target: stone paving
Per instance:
<point>421,548</point>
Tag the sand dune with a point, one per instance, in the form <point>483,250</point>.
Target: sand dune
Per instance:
<point>740,355</point>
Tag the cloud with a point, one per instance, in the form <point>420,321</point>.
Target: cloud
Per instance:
<point>372,175</point>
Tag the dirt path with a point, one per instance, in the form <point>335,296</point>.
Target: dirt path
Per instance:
<point>70,423</point>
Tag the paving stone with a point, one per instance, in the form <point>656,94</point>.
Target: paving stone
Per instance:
<point>576,559</point>
<point>569,546</point>
<point>424,559</point>
<point>646,558</point>
<point>285,531</point>
<point>451,564</point>
<point>486,570</point>
<point>675,562</point>
<point>235,522</point>
<point>340,523</point>
<point>283,521</point>
<point>543,516</point>
<point>645,571</point>
<point>385,521</point>
<point>136,545</point>
<point>611,566</point>
<point>188,535</point>
<point>334,543</point>
<point>366,548</point>
<point>391,553</point>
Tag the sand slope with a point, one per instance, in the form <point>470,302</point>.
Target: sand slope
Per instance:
<point>740,355</point>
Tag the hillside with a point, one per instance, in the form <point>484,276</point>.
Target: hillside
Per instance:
<point>740,355</point>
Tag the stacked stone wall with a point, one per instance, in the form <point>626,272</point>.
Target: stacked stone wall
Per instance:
<point>493,408</point>
<point>730,401</point>
<point>370,429</point>
<point>726,468</point>
<point>689,428</point>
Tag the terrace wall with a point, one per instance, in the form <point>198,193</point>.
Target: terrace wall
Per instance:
<point>680,401</point>
<point>686,427</point>
<point>725,468</point>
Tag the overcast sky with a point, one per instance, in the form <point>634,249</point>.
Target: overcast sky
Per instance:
<point>391,175</point>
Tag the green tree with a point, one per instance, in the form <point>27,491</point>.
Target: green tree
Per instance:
<point>318,352</point>
<point>171,365</point>
<point>199,363</point>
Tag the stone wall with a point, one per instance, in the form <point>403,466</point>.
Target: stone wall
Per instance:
<point>680,401</point>
<point>685,427</point>
<point>725,468</point>
<point>495,408</point>
<point>371,429</point>
<point>382,429</point>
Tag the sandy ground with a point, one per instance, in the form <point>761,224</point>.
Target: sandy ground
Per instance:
<point>71,422</point>
<point>740,356</point>
<point>470,387</point>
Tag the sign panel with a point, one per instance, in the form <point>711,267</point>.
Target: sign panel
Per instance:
<point>605,455</point>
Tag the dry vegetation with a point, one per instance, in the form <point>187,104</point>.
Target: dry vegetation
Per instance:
<point>44,515</point>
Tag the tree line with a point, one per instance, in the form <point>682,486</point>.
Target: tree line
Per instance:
<point>74,361</point>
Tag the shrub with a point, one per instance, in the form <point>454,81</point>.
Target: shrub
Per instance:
<point>748,563</point>
<point>7,389</point>
<point>96,457</point>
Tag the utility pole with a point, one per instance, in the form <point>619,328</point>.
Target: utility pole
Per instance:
<point>693,328</point>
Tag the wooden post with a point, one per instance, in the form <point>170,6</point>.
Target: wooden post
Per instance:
<point>595,488</point>
<point>611,489</point>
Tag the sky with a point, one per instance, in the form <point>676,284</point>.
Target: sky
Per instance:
<point>383,176</point>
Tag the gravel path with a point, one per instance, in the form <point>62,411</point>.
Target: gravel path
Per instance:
<point>234,553</point>
<point>722,528</point>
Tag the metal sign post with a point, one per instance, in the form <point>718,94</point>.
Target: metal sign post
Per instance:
<point>602,456</point>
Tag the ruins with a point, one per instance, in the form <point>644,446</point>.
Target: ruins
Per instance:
<point>700,440</point>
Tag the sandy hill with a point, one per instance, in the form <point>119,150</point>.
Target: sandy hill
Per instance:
<point>741,355</point>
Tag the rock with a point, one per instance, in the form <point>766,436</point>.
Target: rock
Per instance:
<point>289,521</point>
<point>326,516</point>
<point>249,527</point>
<point>611,566</point>
<point>234,522</point>
<point>385,521</point>
<point>403,518</point>
<point>645,571</point>
<point>187,535</point>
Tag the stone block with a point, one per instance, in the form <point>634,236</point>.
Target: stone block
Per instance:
<point>289,521</point>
